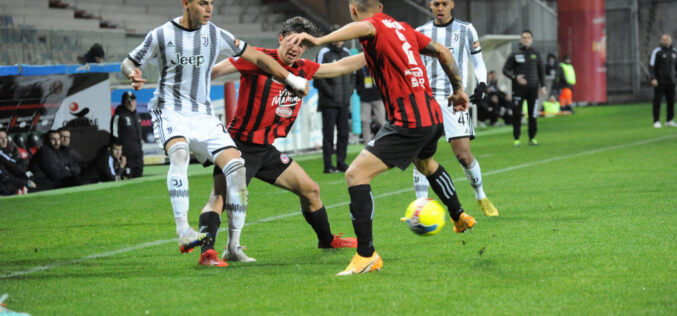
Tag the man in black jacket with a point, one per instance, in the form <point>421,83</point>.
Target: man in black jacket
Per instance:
<point>13,175</point>
<point>126,129</point>
<point>370,101</point>
<point>334,102</point>
<point>52,167</point>
<point>663,70</point>
<point>12,151</point>
<point>525,68</point>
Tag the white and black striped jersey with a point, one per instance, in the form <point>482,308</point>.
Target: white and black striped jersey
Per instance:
<point>185,58</point>
<point>462,40</point>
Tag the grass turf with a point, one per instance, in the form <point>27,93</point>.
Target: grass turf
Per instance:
<point>587,226</point>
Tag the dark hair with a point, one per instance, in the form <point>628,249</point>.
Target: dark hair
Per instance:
<point>45,136</point>
<point>115,142</point>
<point>298,24</point>
<point>364,5</point>
<point>95,51</point>
<point>127,96</point>
<point>528,31</point>
<point>62,129</point>
<point>491,72</point>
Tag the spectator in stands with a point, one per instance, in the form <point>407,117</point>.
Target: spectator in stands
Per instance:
<point>11,184</point>
<point>12,151</point>
<point>51,167</point>
<point>126,130</point>
<point>564,82</point>
<point>13,171</point>
<point>663,78</point>
<point>497,99</point>
<point>94,55</point>
<point>334,102</point>
<point>550,72</point>
<point>65,137</point>
<point>371,104</point>
<point>111,165</point>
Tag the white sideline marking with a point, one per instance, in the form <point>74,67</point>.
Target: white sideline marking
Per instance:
<point>273,218</point>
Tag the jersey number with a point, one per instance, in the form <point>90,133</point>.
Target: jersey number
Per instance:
<point>406,47</point>
<point>463,118</point>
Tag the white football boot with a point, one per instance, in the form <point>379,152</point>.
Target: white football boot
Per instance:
<point>236,255</point>
<point>189,239</point>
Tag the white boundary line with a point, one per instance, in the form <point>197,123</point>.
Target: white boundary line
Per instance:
<point>274,218</point>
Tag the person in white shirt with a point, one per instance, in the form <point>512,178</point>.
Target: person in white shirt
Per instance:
<point>461,38</point>
<point>186,49</point>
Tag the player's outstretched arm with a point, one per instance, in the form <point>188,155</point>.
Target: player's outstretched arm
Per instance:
<point>269,65</point>
<point>459,99</point>
<point>341,67</point>
<point>134,74</point>
<point>223,68</point>
<point>346,33</point>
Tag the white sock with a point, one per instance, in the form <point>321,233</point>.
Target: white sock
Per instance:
<point>474,175</point>
<point>177,184</point>
<point>236,200</point>
<point>420,184</point>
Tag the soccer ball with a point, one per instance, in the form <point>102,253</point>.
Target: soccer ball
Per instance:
<point>425,217</point>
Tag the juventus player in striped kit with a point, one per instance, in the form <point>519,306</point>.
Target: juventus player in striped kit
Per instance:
<point>186,49</point>
<point>414,118</point>
<point>266,110</point>
<point>461,38</point>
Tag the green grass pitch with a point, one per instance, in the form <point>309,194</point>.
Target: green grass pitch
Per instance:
<point>588,225</point>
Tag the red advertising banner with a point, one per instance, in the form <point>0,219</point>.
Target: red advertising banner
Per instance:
<point>582,34</point>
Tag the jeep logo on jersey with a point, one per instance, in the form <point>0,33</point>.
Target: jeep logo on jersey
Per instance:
<point>195,60</point>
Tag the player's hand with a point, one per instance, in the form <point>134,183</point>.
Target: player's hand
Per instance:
<point>521,79</point>
<point>298,38</point>
<point>654,83</point>
<point>478,96</point>
<point>137,79</point>
<point>459,100</point>
<point>544,90</point>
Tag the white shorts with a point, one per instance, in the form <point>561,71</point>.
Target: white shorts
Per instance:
<point>207,136</point>
<point>457,124</point>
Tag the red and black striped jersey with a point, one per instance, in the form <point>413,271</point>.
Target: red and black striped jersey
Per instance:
<point>395,64</point>
<point>266,108</point>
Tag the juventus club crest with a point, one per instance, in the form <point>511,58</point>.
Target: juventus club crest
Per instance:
<point>205,41</point>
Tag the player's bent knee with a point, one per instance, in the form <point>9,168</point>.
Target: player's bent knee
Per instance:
<point>311,191</point>
<point>179,154</point>
<point>235,174</point>
<point>465,158</point>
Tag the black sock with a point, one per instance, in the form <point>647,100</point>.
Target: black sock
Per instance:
<point>209,223</point>
<point>362,211</point>
<point>444,188</point>
<point>320,223</point>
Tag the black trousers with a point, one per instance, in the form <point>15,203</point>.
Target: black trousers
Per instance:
<point>519,95</point>
<point>335,118</point>
<point>669,91</point>
<point>135,165</point>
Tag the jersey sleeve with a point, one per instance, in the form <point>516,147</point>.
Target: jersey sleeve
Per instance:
<point>422,40</point>
<point>141,54</point>
<point>473,44</point>
<point>244,66</point>
<point>475,51</point>
<point>310,68</point>
<point>229,45</point>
